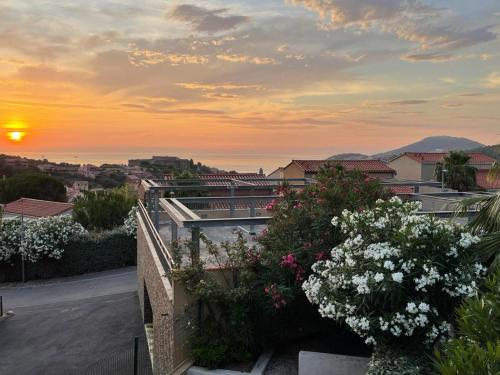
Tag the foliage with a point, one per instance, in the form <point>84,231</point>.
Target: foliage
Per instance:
<point>91,252</point>
<point>111,180</point>
<point>476,350</point>
<point>130,223</point>
<point>300,232</point>
<point>104,210</point>
<point>33,185</point>
<point>38,238</point>
<point>486,223</point>
<point>397,276</point>
<point>227,330</point>
<point>458,174</point>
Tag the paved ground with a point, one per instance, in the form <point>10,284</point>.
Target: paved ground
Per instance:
<point>64,326</point>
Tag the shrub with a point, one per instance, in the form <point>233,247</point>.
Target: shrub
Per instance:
<point>397,277</point>
<point>130,223</point>
<point>90,252</point>
<point>104,210</point>
<point>37,238</point>
<point>476,350</point>
<point>33,185</point>
<point>300,232</point>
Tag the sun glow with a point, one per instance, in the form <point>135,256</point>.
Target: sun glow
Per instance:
<point>16,136</point>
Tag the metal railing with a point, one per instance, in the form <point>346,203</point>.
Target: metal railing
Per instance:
<point>132,361</point>
<point>162,251</point>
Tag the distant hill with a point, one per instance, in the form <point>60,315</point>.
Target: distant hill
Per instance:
<point>349,156</point>
<point>493,151</point>
<point>433,144</point>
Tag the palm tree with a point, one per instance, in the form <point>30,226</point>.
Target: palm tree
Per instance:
<point>458,174</point>
<point>487,221</point>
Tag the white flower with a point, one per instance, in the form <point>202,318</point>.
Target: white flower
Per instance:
<point>397,277</point>
<point>411,307</point>
<point>378,277</point>
<point>335,221</point>
<point>389,265</point>
<point>423,307</point>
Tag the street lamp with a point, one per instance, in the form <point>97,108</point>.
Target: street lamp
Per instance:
<point>443,171</point>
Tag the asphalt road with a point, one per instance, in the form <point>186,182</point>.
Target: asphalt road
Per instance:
<point>63,327</point>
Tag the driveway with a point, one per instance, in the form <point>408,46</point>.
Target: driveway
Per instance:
<point>67,325</point>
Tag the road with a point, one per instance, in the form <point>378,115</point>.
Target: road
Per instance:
<point>67,325</point>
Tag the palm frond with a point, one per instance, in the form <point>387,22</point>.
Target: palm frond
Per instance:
<point>488,250</point>
<point>488,218</point>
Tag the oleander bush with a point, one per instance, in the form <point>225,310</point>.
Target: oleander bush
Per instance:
<point>390,362</point>
<point>300,231</point>
<point>57,246</point>
<point>397,277</point>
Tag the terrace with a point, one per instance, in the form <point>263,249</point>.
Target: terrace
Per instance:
<point>223,208</point>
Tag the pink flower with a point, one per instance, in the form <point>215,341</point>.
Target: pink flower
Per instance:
<point>289,261</point>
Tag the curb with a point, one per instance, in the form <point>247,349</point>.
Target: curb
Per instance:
<point>6,316</point>
<point>258,368</point>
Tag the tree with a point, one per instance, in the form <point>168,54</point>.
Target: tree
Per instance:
<point>457,173</point>
<point>33,185</point>
<point>104,210</point>
<point>486,222</point>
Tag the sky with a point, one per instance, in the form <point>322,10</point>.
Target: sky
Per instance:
<point>244,84</point>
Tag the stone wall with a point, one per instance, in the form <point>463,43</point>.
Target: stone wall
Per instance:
<point>163,305</point>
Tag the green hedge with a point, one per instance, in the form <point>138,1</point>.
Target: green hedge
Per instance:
<point>93,253</point>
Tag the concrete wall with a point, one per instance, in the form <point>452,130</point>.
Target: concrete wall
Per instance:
<point>428,171</point>
<point>293,171</point>
<point>163,304</point>
<point>406,168</point>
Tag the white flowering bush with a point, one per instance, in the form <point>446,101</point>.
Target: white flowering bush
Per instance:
<point>397,276</point>
<point>10,238</point>
<point>37,238</point>
<point>130,223</point>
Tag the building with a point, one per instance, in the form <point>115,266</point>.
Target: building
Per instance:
<point>483,182</point>
<point>164,161</point>
<point>35,208</point>
<point>421,165</point>
<point>220,184</point>
<point>309,168</point>
<point>276,174</point>
<point>89,171</point>
<point>63,168</point>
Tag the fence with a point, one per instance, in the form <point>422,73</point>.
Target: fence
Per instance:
<point>132,361</point>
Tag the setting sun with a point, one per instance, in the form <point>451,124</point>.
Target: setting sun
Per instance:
<point>16,136</point>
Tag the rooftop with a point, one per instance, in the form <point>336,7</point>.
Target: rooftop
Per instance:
<point>367,166</point>
<point>36,207</point>
<point>434,157</point>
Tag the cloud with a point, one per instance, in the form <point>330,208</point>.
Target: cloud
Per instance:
<point>493,80</point>
<point>361,13</point>
<point>246,59</point>
<point>449,80</point>
<point>432,57</point>
<point>217,86</point>
<point>44,73</point>
<point>409,102</point>
<point>207,20</point>
<point>144,57</point>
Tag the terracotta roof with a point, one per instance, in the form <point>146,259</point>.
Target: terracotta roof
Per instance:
<point>367,166</point>
<point>36,207</point>
<point>434,157</point>
<point>482,181</point>
<point>402,190</point>
<point>224,179</point>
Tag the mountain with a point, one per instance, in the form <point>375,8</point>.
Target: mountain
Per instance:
<point>349,156</point>
<point>432,144</point>
<point>493,151</point>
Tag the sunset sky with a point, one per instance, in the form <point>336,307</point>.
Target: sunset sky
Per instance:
<point>245,83</point>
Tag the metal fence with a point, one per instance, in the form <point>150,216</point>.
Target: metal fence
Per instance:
<point>132,361</point>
